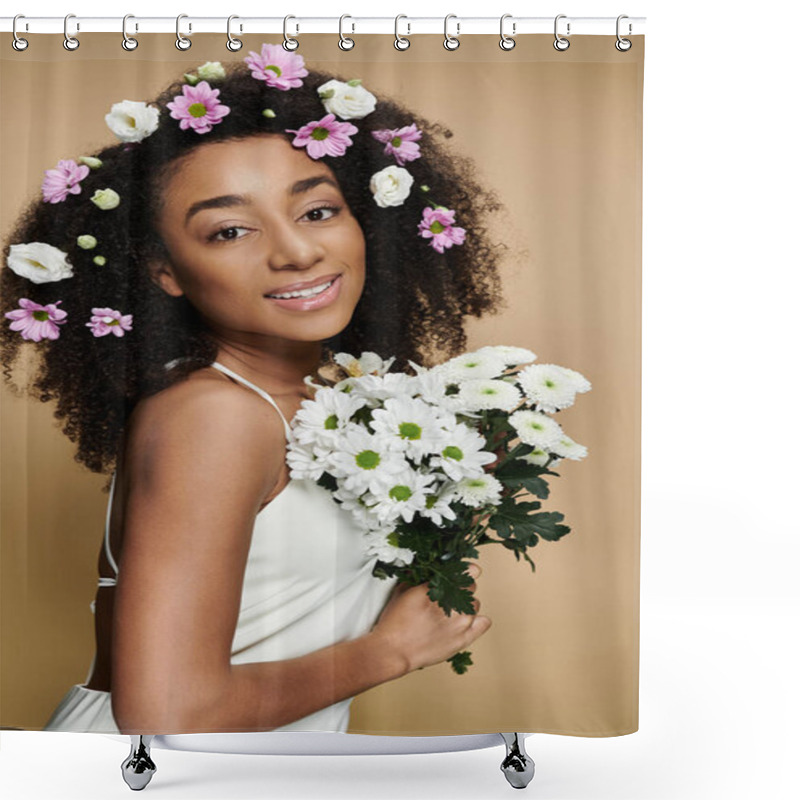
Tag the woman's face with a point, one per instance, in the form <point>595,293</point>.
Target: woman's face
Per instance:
<point>245,220</point>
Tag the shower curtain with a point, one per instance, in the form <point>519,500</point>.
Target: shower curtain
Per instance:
<point>500,191</point>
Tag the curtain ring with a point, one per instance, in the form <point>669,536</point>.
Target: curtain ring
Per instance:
<point>451,42</point>
<point>345,43</point>
<point>623,45</point>
<point>506,42</point>
<point>18,43</point>
<point>560,42</point>
<point>182,43</point>
<point>233,44</point>
<point>400,42</point>
<point>289,43</point>
<point>128,42</point>
<point>70,42</point>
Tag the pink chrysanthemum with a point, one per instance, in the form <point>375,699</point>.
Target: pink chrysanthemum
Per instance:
<point>36,322</point>
<point>324,137</point>
<point>109,320</point>
<point>437,225</point>
<point>63,180</point>
<point>279,69</point>
<point>198,107</point>
<point>400,142</point>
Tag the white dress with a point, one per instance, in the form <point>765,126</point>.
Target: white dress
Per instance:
<point>307,585</point>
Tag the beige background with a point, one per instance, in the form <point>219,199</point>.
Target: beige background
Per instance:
<point>559,136</point>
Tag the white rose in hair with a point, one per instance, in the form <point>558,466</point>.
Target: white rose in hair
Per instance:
<point>391,186</point>
<point>39,262</point>
<point>132,120</point>
<point>346,100</point>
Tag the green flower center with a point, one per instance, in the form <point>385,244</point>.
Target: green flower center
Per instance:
<point>393,539</point>
<point>40,315</point>
<point>549,384</point>
<point>430,501</point>
<point>331,423</point>
<point>488,390</point>
<point>397,141</point>
<point>453,452</point>
<point>368,459</point>
<point>320,133</point>
<point>273,68</point>
<point>409,430</point>
<point>197,109</point>
<point>401,493</point>
<point>537,426</point>
<point>436,226</point>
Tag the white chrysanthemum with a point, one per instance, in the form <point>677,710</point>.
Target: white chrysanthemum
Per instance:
<point>381,543</point>
<point>377,388</point>
<point>410,426</point>
<point>484,393</point>
<point>550,386</point>
<point>211,71</point>
<point>132,120</point>
<point>322,419</point>
<point>481,490</point>
<point>39,262</point>
<point>368,363</point>
<point>307,460</point>
<point>437,506</point>
<point>537,456</point>
<point>348,100</point>
<point>536,428</point>
<point>364,461</point>
<point>391,186</point>
<point>403,496</point>
<point>511,356</point>
<point>356,505</point>
<point>568,448</point>
<point>432,386</point>
<point>472,365</point>
<point>461,454</point>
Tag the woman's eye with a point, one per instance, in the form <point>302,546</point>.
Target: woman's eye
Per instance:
<point>214,236</point>
<point>333,209</point>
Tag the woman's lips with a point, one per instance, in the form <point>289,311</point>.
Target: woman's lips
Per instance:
<point>310,303</point>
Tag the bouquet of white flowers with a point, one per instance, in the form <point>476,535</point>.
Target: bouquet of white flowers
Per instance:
<point>429,463</point>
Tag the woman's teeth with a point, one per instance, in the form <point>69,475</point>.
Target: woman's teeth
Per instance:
<point>306,293</point>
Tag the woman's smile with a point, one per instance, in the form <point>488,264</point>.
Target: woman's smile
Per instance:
<point>319,294</point>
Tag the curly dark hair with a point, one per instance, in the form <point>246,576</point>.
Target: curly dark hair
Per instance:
<point>413,304</point>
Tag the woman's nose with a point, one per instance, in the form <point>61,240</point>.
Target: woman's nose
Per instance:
<point>292,246</point>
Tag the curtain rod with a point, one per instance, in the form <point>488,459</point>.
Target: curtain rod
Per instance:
<point>407,26</point>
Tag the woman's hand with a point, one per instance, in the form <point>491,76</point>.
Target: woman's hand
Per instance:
<point>419,632</point>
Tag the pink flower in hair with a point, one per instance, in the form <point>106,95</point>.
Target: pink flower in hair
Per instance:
<point>324,137</point>
<point>36,322</point>
<point>276,67</point>
<point>108,320</point>
<point>63,180</point>
<point>197,107</point>
<point>437,225</point>
<point>400,142</point>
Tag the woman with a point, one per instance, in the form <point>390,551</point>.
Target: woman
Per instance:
<point>232,598</point>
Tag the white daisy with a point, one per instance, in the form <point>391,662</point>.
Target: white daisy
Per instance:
<point>410,426</point>
<point>364,461</point>
<point>484,393</point>
<point>550,386</point>
<point>510,355</point>
<point>368,363</point>
<point>461,454</point>
<point>481,490</point>
<point>39,262</point>
<point>568,448</point>
<point>437,506</point>
<point>382,543</point>
<point>403,496</point>
<point>472,365</point>
<point>323,419</point>
<point>307,460</point>
<point>382,387</point>
<point>132,120</point>
<point>536,428</point>
<point>537,456</point>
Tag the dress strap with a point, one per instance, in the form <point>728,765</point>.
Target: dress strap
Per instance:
<point>222,368</point>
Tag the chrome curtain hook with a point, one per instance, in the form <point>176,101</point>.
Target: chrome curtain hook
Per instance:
<point>288,42</point>
<point>18,43</point>
<point>623,45</point>
<point>400,42</point>
<point>506,42</point>
<point>451,42</point>
<point>345,43</point>
<point>560,42</point>
<point>70,42</point>
<point>233,44</point>
<point>128,42</point>
<point>182,43</point>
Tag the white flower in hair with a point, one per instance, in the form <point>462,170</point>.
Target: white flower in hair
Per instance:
<point>346,100</point>
<point>391,186</point>
<point>39,262</point>
<point>132,120</point>
<point>211,71</point>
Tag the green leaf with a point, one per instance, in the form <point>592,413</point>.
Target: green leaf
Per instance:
<point>327,481</point>
<point>516,473</point>
<point>546,525</point>
<point>460,661</point>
